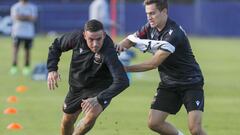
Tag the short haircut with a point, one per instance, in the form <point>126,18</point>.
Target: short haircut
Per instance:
<point>160,4</point>
<point>93,25</point>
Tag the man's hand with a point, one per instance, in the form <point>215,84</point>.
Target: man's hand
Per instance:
<point>53,77</point>
<point>89,104</point>
<point>119,48</point>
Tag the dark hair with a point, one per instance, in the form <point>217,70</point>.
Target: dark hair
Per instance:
<point>93,25</point>
<point>160,4</point>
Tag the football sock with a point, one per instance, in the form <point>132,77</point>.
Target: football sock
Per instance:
<point>180,133</point>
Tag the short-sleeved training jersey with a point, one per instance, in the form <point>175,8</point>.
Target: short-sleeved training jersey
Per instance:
<point>180,67</point>
<point>23,29</point>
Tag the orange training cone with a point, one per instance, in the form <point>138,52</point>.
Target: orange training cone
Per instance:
<point>14,126</point>
<point>12,99</point>
<point>21,88</point>
<point>10,111</point>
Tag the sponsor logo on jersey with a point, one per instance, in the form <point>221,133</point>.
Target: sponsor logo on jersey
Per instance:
<point>170,32</point>
<point>105,102</point>
<point>80,50</point>
<point>64,106</point>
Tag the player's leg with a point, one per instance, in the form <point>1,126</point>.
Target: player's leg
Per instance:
<point>165,102</point>
<point>16,44</point>
<point>88,121</point>
<point>194,103</point>
<point>71,111</point>
<point>195,123</point>
<point>157,122</point>
<point>67,123</point>
<point>27,48</point>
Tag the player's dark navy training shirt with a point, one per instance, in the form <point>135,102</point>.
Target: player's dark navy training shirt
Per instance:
<point>90,70</point>
<point>180,67</point>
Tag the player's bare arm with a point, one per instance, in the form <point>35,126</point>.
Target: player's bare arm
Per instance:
<point>26,18</point>
<point>150,64</point>
<point>124,44</point>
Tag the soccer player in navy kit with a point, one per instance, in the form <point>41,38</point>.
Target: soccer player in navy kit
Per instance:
<point>181,77</point>
<point>96,75</point>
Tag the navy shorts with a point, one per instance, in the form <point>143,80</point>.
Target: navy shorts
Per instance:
<point>171,99</point>
<point>75,96</point>
<point>27,42</point>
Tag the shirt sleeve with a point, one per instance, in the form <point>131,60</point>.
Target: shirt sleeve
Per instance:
<point>142,33</point>
<point>146,45</point>
<point>174,36</point>
<point>120,79</point>
<point>61,44</point>
<point>142,40</point>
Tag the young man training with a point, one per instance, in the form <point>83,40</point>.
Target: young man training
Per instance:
<point>96,75</point>
<point>181,77</point>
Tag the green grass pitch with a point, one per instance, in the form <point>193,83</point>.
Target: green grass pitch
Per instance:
<point>39,110</point>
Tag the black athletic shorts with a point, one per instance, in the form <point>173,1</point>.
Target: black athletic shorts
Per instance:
<point>171,99</point>
<point>75,96</point>
<point>27,42</point>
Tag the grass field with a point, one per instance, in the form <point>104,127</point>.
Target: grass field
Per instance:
<point>39,110</point>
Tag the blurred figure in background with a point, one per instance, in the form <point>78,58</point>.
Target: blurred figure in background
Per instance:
<point>99,10</point>
<point>24,15</point>
<point>126,57</point>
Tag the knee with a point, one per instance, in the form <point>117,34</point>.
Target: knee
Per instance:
<point>90,118</point>
<point>89,121</point>
<point>67,122</point>
<point>154,125</point>
<point>195,129</point>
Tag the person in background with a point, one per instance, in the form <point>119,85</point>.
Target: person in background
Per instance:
<point>126,57</point>
<point>96,75</point>
<point>181,77</point>
<point>24,16</point>
<point>99,10</point>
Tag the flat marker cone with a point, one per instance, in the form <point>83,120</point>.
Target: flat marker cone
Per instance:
<point>10,111</point>
<point>14,126</point>
<point>21,88</point>
<point>12,99</point>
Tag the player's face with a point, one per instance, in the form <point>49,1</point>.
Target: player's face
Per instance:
<point>94,40</point>
<point>155,16</point>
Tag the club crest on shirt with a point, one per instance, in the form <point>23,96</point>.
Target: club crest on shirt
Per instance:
<point>97,58</point>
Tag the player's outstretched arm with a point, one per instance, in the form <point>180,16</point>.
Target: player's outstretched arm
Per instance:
<point>150,64</point>
<point>52,80</point>
<point>123,45</point>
